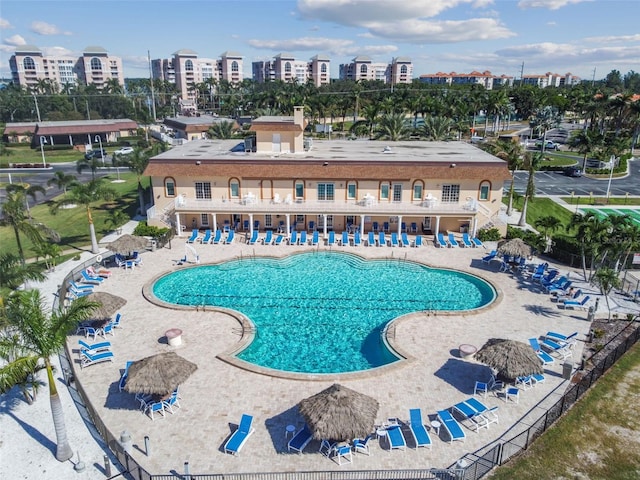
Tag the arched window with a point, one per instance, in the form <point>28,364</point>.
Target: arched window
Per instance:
<point>169,187</point>
<point>418,188</point>
<point>403,69</point>
<point>484,192</point>
<point>96,64</point>
<point>234,188</point>
<point>234,66</point>
<point>188,66</point>
<point>363,69</point>
<point>323,68</point>
<point>352,190</point>
<point>287,67</point>
<point>28,63</point>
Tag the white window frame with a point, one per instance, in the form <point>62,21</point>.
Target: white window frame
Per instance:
<point>203,190</point>
<point>450,193</point>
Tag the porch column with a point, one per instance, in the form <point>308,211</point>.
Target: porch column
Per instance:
<point>474,226</point>
<point>288,217</point>
<point>215,221</point>
<point>362,224</point>
<point>324,225</point>
<point>70,140</point>
<point>251,224</point>
<point>178,226</point>
<point>399,225</point>
<point>437,230</point>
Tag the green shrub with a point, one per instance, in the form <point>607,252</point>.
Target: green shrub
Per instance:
<point>144,230</point>
<point>489,234</point>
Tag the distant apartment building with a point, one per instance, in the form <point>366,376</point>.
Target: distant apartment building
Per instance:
<point>185,69</point>
<point>486,79</point>
<point>29,65</point>
<point>286,68</point>
<point>550,80</point>
<point>400,70</point>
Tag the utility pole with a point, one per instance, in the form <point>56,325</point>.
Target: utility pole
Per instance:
<point>593,79</point>
<point>35,100</point>
<point>153,98</point>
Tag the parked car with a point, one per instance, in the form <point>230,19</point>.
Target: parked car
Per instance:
<point>95,154</point>
<point>123,151</point>
<point>573,171</point>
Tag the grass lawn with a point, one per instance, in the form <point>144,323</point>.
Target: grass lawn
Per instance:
<point>72,224</point>
<point>27,155</point>
<point>542,207</point>
<point>599,438</point>
<point>560,159</point>
<point>602,201</point>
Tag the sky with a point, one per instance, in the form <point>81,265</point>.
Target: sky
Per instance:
<point>587,38</point>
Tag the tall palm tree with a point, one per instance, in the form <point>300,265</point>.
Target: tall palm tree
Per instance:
<point>392,127</point>
<point>38,335</point>
<point>533,162</point>
<point>86,194</point>
<point>92,164</point>
<point>591,232</point>
<point>221,130</point>
<point>61,180</point>
<point>607,279</point>
<point>585,141</point>
<point>14,215</point>
<point>546,224</point>
<point>29,191</point>
<point>512,153</point>
<point>137,163</point>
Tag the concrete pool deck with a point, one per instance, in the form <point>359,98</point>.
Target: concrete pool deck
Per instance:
<point>218,393</point>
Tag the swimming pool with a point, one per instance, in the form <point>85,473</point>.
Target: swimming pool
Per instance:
<point>322,312</point>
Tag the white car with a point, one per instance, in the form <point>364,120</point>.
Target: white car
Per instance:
<point>123,151</point>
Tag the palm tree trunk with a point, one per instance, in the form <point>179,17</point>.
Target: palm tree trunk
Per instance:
<point>141,198</point>
<point>63,449</point>
<point>20,249</point>
<point>92,233</point>
<point>523,216</point>
<point>510,206</point>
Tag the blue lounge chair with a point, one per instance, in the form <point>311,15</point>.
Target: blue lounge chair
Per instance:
<point>404,240</point>
<point>303,237</point>
<point>526,382</point>
<point>80,287</point>
<point>91,359</point>
<point>561,350</point>
<point>466,241</point>
<point>123,378</point>
<point>477,242</point>
<point>217,237</point>
<point>356,239</point>
<point>331,241</point>
<point>394,240</point>
<point>279,239</point>
<point>451,425</point>
<point>419,431</point>
<point>268,238</point>
<point>254,238</point>
<point>539,272</point>
<point>381,239</point>
<point>487,259</point>
<point>293,239</point>
<point>452,240</point>
<point>86,278</point>
<point>396,438</point>
<point>345,239</point>
<point>440,241</point>
<point>229,238</point>
<point>562,338</point>
<point>94,347</point>
<point>418,241</point>
<point>362,444</point>
<point>559,289</point>
<point>116,320</point>
<point>544,357</point>
<point>194,236</point>
<point>467,412</point>
<point>207,236</point>
<point>239,437</point>
<point>371,239</point>
<point>300,440</point>
<point>490,414</point>
<point>576,304</point>
<point>314,238</point>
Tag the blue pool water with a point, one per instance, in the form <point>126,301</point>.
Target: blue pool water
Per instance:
<point>322,312</point>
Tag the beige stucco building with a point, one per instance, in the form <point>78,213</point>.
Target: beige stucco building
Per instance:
<point>284,182</point>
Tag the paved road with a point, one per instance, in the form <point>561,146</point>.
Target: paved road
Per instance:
<point>555,183</point>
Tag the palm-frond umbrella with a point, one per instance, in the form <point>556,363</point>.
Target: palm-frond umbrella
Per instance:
<point>158,374</point>
<point>510,358</point>
<point>128,243</point>
<point>109,304</point>
<point>339,413</point>
<point>515,248</point>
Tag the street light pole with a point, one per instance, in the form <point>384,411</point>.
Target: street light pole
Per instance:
<point>99,140</point>
<point>612,163</point>
<point>43,140</point>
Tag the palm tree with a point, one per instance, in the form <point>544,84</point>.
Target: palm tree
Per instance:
<point>591,233</point>
<point>38,334</point>
<point>533,163</point>
<point>93,164</point>
<point>548,223</point>
<point>512,153</point>
<point>585,141</point>
<point>221,130</point>
<point>607,279</point>
<point>137,163</point>
<point>13,273</point>
<point>392,127</point>
<point>14,215</point>
<point>85,194</point>
<point>29,191</point>
<point>61,180</point>
<point>438,128</point>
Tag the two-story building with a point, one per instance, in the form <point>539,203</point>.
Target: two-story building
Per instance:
<point>282,181</point>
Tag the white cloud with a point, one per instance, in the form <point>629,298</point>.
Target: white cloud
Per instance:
<point>417,31</point>
<point>549,4</point>
<point>44,28</point>
<point>4,24</point>
<point>331,46</point>
<point>614,38</point>
<point>15,40</point>
<point>59,52</point>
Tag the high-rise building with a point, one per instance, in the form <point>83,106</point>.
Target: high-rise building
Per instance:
<point>400,70</point>
<point>29,66</point>
<point>286,68</point>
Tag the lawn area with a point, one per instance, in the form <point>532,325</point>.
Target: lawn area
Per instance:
<point>28,155</point>
<point>72,224</point>
<point>599,438</point>
<point>602,201</point>
<point>542,207</point>
<point>559,159</point>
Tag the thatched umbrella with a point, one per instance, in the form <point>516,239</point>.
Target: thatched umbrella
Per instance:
<point>339,413</point>
<point>158,374</point>
<point>128,243</point>
<point>510,358</point>
<point>515,248</point>
<point>109,304</point>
